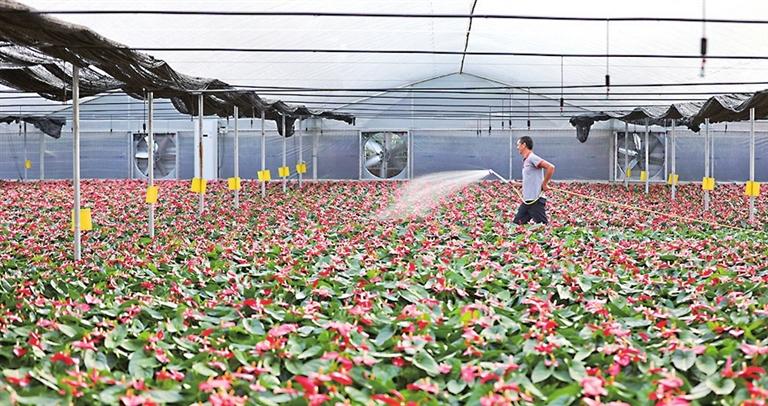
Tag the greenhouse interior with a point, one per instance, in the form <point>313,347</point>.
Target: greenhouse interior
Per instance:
<point>376,202</point>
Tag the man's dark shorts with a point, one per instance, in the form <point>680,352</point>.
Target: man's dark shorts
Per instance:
<point>536,212</point>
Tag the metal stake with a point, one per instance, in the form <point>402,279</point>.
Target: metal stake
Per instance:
<point>76,155</point>
<point>707,155</point>
<point>674,159</point>
<point>752,161</point>
<point>263,154</point>
<point>237,155</point>
<point>301,149</point>
<point>25,152</point>
<point>285,137</point>
<point>200,108</point>
<point>647,171</point>
<point>626,154</point>
<point>151,158</point>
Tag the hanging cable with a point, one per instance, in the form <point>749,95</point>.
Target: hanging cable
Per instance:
<point>703,36</point>
<point>529,109</point>
<point>562,99</point>
<point>607,58</point>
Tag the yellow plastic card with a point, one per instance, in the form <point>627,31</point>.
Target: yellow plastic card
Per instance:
<point>199,185</point>
<point>708,183</point>
<point>284,171</point>
<point>152,193</point>
<point>643,175</point>
<point>672,179</point>
<point>28,164</point>
<point>752,189</point>
<point>301,167</point>
<point>85,220</point>
<point>233,183</point>
<point>265,175</point>
<point>628,171</point>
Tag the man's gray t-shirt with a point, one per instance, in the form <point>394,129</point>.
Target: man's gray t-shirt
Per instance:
<point>533,177</point>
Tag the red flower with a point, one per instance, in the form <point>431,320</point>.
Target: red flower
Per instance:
<point>592,386</point>
<point>63,358</point>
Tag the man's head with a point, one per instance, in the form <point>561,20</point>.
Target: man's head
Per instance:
<point>524,145</point>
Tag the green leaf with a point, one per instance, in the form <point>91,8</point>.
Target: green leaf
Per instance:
<point>683,360</point>
<point>706,364</point>
<point>567,394</point>
<point>720,386</point>
<point>165,396</point>
<point>140,365</point>
<point>455,387</point>
<point>69,331</point>
<point>699,391</point>
<point>310,352</point>
<point>385,334</point>
<point>40,400</point>
<point>95,360</point>
<point>424,361</point>
<point>254,327</point>
<point>540,373</point>
<point>577,371</point>
<point>202,369</point>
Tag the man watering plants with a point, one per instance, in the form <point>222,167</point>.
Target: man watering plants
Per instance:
<point>536,175</point>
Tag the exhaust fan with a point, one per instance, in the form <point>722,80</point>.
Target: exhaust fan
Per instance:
<point>164,153</point>
<point>384,154</point>
<point>635,155</point>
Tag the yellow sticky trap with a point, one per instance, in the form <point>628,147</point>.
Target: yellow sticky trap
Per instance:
<point>672,179</point>
<point>199,185</point>
<point>233,183</point>
<point>301,167</point>
<point>284,171</point>
<point>152,193</point>
<point>708,183</point>
<point>752,189</point>
<point>265,175</point>
<point>643,175</point>
<point>628,171</point>
<point>85,220</point>
<point>28,164</point>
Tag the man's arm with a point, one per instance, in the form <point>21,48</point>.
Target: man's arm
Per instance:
<point>549,170</point>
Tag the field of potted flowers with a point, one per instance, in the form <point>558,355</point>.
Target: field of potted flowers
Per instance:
<point>310,298</point>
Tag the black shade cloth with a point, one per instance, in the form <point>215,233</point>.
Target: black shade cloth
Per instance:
<point>48,125</point>
<point>34,49</point>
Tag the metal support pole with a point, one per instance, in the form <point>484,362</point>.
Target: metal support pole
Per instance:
<point>707,154</point>
<point>151,158</point>
<point>42,156</point>
<point>76,156</point>
<point>626,154</point>
<point>25,152</point>
<point>237,154</point>
<point>752,161</point>
<point>285,137</point>
<point>200,107</point>
<point>315,143</point>
<point>647,160</point>
<point>263,154</point>
<point>511,153</point>
<point>301,149</point>
<point>674,159</point>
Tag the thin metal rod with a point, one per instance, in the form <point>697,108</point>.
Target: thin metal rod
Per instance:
<point>315,142</point>
<point>237,155</point>
<point>263,154</point>
<point>25,152</point>
<point>707,155</point>
<point>76,156</point>
<point>42,156</point>
<point>285,138</point>
<point>511,153</point>
<point>647,171</point>
<point>200,107</point>
<point>626,155</point>
<point>752,161</point>
<point>300,134</point>
<point>151,157</point>
<point>674,159</point>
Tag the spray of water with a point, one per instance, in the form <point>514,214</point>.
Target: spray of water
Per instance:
<point>419,196</point>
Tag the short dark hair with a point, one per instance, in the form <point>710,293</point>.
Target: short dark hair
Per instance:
<point>528,141</point>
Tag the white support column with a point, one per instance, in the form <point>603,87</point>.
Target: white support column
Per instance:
<point>76,156</point>
<point>263,154</point>
<point>674,158</point>
<point>237,154</point>
<point>752,161</point>
<point>26,158</point>
<point>626,154</point>
<point>42,155</point>
<point>151,157</point>
<point>300,134</point>
<point>315,144</point>
<point>647,160</point>
<point>285,138</point>
<point>200,108</point>
<point>707,154</point>
<point>511,153</point>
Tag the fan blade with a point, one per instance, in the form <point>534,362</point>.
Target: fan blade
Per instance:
<point>374,160</point>
<point>628,152</point>
<point>636,139</point>
<point>142,155</point>
<point>374,146</point>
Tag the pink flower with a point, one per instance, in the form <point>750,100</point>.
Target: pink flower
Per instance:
<point>751,349</point>
<point>282,330</point>
<point>212,384</point>
<point>592,386</point>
